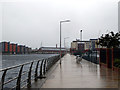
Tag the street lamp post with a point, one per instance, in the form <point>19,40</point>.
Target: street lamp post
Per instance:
<point>60,35</point>
<point>81,35</point>
<point>65,44</point>
<point>64,41</point>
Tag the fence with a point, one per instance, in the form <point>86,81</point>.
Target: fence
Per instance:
<point>26,73</point>
<point>108,56</point>
<point>103,56</point>
<point>92,56</point>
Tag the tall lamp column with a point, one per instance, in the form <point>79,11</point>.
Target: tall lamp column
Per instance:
<point>60,35</point>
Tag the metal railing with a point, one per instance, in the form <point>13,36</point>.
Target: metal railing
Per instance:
<point>36,70</point>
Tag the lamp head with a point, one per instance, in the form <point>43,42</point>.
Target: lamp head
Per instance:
<point>65,21</point>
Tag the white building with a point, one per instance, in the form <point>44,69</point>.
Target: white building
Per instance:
<point>87,45</point>
<point>74,45</point>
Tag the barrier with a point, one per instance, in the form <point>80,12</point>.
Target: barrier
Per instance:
<point>36,70</point>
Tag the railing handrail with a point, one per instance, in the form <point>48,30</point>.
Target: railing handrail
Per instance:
<point>43,68</point>
<point>8,68</point>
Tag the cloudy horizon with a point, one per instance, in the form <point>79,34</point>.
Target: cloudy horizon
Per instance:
<point>34,22</point>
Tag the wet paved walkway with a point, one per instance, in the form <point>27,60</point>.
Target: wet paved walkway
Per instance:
<point>83,75</point>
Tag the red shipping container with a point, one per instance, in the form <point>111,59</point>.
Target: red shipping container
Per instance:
<point>10,47</point>
<point>6,47</point>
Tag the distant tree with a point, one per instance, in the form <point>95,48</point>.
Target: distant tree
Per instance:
<point>109,40</point>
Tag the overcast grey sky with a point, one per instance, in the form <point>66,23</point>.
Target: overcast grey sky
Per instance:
<point>31,22</point>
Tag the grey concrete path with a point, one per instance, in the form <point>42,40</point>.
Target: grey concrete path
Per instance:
<point>83,75</point>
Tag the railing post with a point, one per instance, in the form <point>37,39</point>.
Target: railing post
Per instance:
<point>19,79</point>
<point>41,68</point>
<point>36,71</point>
<point>46,65</point>
<point>44,70</point>
<point>29,76</point>
<point>3,79</point>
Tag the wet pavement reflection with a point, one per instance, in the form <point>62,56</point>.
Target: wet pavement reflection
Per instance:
<point>82,75</point>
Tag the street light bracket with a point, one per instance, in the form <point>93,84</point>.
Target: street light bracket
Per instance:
<point>65,21</point>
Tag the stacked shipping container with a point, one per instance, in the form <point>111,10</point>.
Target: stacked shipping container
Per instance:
<point>12,48</point>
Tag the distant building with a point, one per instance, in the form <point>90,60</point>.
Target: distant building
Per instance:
<point>35,50</point>
<point>119,16</point>
<point>51,50</point>
<point>84,46</point>
<point>74,45</point>
<point>94,44</point>
<point>5,47</point>
<point>13,48</point>
<point>81,47</point>
<point>87,45</point>
<point>22,49</point>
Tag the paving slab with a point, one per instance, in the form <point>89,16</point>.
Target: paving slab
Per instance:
<point>83,75</point>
